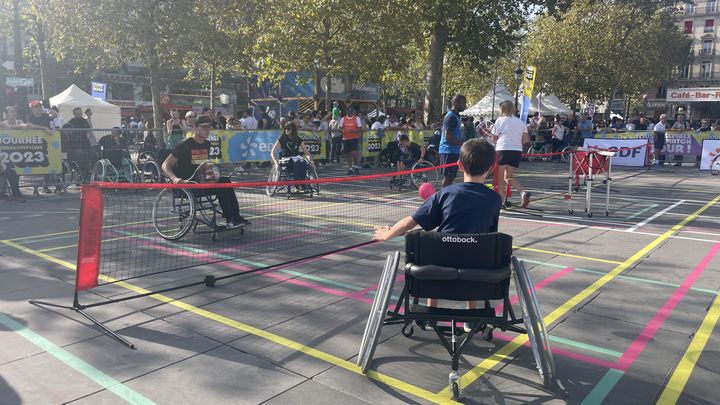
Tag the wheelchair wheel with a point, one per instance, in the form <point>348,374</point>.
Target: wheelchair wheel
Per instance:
<point>274,176</point>
<point>313,175</point>
<point>430,176</point>
<point>173,213</point>
<point>371,336</point>
<point>150,172</point>
<point>567,153</point>
<point>432,156</point>
<point>104,171</point>
<point>384,158</point>
<point>64,178</point>
<point>530,152</point>
<point>145,156</point>
<point>534,324</point>
<point>129,171</point>
<point>715,166</point>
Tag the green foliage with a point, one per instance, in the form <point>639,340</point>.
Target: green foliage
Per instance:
<point>598,47</point>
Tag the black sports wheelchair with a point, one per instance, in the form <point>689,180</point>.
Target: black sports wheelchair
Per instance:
<point>176,211</point>
<point>284,172</point>
<point>459,267</point>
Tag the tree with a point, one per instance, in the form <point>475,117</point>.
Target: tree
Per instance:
<point>477,31</point>
<point>599,48</point>
<point>338,37</point>
<point>103,37</point>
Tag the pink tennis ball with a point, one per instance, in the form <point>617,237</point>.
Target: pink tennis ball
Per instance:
<point>426,190</point>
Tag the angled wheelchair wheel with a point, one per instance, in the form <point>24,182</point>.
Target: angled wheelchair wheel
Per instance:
<point>313,175</point>
<point>534,324</point>
<point>274,176</point>
<point>150,172</point>
<point>429,176</point>
<point>567,153</point>
<point>64,178</point>
<point>715,166</point>
<point>104,171</point>
<point>146,156</point>
<point>530,155</point>
<point>432,156</point>
<point>206,211</point>
<point>129,172</point>
<point>377,312</point>
<point>173,213</point>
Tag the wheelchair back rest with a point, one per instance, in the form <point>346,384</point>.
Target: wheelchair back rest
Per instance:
<point>479,251</point>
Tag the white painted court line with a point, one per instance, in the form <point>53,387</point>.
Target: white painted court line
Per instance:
<point>657,215</point>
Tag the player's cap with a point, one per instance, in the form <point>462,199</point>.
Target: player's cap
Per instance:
<point>203,120</point>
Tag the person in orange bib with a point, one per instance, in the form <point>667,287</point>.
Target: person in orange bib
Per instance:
<point>351,128</point>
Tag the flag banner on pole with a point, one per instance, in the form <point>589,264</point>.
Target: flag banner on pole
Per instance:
<point>528,84</point>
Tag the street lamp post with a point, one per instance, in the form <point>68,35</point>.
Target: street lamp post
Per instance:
<point>518,74</point>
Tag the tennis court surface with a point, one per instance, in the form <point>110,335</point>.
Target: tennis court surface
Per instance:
<point>629,300</point>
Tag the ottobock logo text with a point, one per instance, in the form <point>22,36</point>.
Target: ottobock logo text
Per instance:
<point>458,239</point>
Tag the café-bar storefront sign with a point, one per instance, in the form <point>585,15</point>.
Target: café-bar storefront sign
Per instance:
<point>700,94</point>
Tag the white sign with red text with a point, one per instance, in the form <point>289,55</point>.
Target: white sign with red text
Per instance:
<point>710,149</point>
<point>693,94</point>
<point>628,152</point>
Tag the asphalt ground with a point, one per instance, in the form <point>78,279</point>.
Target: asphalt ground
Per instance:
<point>629,301</point>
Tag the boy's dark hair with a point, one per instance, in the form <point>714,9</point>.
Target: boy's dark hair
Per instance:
<point>477,156</point>
<point>403,137</point>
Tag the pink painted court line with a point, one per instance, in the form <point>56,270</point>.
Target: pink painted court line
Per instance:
<point>638,345</point>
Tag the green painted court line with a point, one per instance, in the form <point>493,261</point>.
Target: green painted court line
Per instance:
<point>642,211</point>
<point>631,278</point>
<point>321,279</point>
<point>603,387</point>
<point>81,366</point>
<point>586,346</point>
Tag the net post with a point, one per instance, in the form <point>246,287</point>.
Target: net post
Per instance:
<point>89,237</point>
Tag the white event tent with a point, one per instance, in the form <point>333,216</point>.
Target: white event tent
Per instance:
<point>490,103</point>
<point>105,115</point>
<point>549,104</point>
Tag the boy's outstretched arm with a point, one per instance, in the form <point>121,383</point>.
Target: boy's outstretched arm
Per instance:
<point>398,229</point>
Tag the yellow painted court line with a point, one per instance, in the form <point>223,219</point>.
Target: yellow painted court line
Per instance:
<point>489,363</point>
<point>550,252</point>
<point>685,367</point>
<point>277,339</point>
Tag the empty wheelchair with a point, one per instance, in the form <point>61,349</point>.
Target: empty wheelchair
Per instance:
<point>459,267</point>
<point>176,211</point>
<point>281,173</point>
<point>115,166</point>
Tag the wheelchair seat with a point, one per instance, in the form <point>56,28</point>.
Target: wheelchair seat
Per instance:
<point>459,267</point>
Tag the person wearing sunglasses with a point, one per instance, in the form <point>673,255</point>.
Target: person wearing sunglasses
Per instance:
<point>184,160</point>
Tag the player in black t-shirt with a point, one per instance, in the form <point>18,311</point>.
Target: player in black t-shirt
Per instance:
<point>292,147</point>
<point>191,153</point>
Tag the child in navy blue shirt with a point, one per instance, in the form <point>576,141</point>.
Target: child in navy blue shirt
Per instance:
<point>468,207</point>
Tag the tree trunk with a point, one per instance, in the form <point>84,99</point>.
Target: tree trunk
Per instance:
<point>433,82</point>
<point>153,64</point>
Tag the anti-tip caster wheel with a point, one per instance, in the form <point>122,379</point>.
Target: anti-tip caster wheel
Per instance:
<point>589,214</point>
<point>454,385</point>
<point>407,331</point>
<point>571,212</point>
<point>210,281</point>
<point>607,214</point>
<point>487,333</point>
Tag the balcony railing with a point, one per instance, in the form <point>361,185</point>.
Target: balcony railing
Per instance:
<point>705,52</point>
<point>709,29</point>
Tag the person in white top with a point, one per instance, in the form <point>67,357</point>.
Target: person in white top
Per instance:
<point>659,138</point>
<point>249,122</point>
<point>510,134</point>
<point>558,135</point>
